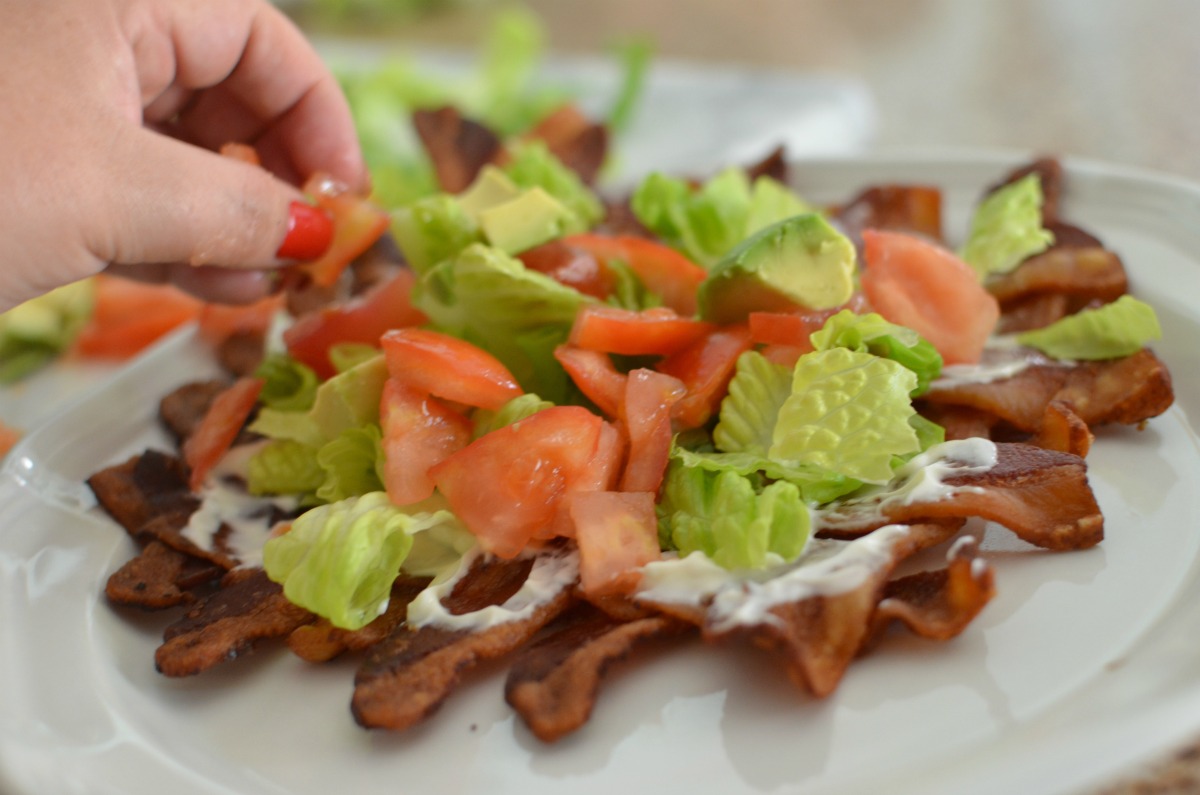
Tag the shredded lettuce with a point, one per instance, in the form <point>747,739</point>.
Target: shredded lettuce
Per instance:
<point>706,223</point>
<point>848,413</point>
<point>1118,329</point>
<point>517,315</point>
<point>340,560</point>
<point>729,518</point>
<point>870,333</point>
<point>1007,228</point>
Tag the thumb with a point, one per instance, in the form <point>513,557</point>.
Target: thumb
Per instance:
<point>172,202</point>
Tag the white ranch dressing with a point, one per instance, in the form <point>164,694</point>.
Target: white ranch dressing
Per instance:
<point>226,503</point>
<point>1003,357</point>
<point>920,480</point>
<point>550,575</point>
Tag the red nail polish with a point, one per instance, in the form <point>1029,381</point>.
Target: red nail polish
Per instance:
<point>309,233</point>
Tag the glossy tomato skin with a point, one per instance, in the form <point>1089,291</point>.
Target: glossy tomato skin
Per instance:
<point>663,270</point>
<point>925,287</point>
<point>595,375</point>
<point>705,368</point>
<point>649,398</point>
<point>363,320</point>
<point>221,424</point>
<point>658,331</point>
<point>357,224</point>
<point>617,534</point>
<point>506,486</point>
<point>448,367</point>
<point>571,266</point>
<point>419,432</point>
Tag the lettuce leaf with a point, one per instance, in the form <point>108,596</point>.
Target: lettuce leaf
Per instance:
<point>352,464</point>
<point>848,413</point>
<point>348,400</point>
<point>1118,329</point>
<point>515,410</point>
<point>757,391</point>
<point>1007,228</point>
<point>433,229</point>
<point>817,485</point>
<point>289,384</point>
<point>285,466</point>
<point>730,519</point>
<point>870,333</point>
<point>340,560</point>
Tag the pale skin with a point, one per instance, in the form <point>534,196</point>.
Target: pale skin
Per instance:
<point>112,114</point>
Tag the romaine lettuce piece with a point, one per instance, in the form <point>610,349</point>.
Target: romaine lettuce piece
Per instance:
<point>707,223</point>
<point>872,334</point>
<point>285,466</point>
<point>517,315</point>
<point>724,515</point>
<point>348,400</point>
<point>340,560</point>
<point>817,486</point>
<point>433,229</point>
<point>515,410</point>
<point>289,385</point>
<point>1007,228</point>
<point>848,413</point>
<point>1111,331</point>
<point>352,464</point>
<point>757,391</point>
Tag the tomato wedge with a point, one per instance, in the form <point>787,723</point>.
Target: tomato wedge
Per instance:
<point>506,485</point>
<point>617,533</point>
<point>705,368</point>
<point>357,224</point>
<point>917,284</point>
<point>220,425</point>
<point>649,397</point>
<point>129,316</point>
<point>595,375</point>
<point>448,367</point>
<point>663,270</point>
<point>419,432</point>
<point>658,331</point>
<point>365,320</point>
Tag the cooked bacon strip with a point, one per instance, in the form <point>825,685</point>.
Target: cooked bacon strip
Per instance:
<point>141,488</point>
<point>903,208</point>
<point>819,633</point>
<point>578,142</point>
<point>159,577</point>
<point>553,684</point>
<point>1063,430</point>
<point>183,408</point>
<point>247,609</point>
<point>1034,311</point>
<point>938,604</point>
<point>241,352</point>
<point>407,676</point>
<point>1082,274</point>
<point>458,147</point>
<point>1041,495</point>
<point>321,641</point>
<point>1129,390</point>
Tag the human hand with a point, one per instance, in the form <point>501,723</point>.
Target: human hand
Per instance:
<point>113,110</point>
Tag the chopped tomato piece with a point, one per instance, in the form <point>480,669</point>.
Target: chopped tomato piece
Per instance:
<point>8,439</point>
<point>794,328</point>
<point>129,316</point>
<point>448,367</point>
<point>220,425</point>
<point>365,320</point>
<point>617,533</point>
<point>663,270</point>
<point>652,331</point>
<point>219,322</point>
<point>419,432</point>
<point>357,224</point>
<point>705,368</point>
<point>593,372</point>
<point>506,485</point>
<point>602,475</point>
<point>571,266</point>
<point>920,285</point>
<point>649,397</point>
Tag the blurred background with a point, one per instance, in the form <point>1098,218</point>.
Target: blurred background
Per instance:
<point>1114,80</point>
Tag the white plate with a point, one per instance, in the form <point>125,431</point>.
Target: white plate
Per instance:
<point>1083,664</point>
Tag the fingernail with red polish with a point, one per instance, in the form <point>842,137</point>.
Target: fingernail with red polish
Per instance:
<point>310,231</point>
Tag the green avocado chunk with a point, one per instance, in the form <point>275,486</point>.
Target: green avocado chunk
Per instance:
<point>800,262</point>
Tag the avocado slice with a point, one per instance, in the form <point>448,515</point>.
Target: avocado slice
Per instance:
<point>801,262</point>
<point>528,220</point>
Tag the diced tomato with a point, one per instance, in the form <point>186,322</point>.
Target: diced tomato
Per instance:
<point>506,485</point>
<point>652,331</point>
<point>617,533</point>
<point>663,270</point>
<point>357,224</point>
<point>8,439</point>
<point>794,328</point>
<point>129,316</point>
<point>385,307</point>
<point>220,425</point>
<point>571,266</point>
<point>448,367</point>
<point>219,322</point>
<point>917,284</point>
<point>649,398</point>
<point>786,355</point>
<point>593,372</point>
<point>419,432</point>
<point>705,368</point>
<point>602,475</point>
